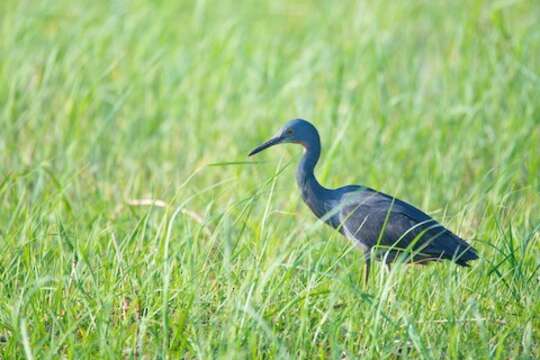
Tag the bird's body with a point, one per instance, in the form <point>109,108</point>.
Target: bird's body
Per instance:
<point>376,222</point>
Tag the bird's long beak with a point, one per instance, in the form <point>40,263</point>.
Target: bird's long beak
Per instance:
<point>273,141</point>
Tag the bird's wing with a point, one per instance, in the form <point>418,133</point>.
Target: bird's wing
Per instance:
<point>377,219</point>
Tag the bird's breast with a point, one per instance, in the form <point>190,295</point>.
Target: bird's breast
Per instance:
<point>323,210</point>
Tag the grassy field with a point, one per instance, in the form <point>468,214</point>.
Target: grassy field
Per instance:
<point>132,223</point>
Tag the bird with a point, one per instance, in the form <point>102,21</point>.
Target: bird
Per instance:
<point>380,225</point>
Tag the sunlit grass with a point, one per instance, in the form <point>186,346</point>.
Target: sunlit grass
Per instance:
<point>133,224</point>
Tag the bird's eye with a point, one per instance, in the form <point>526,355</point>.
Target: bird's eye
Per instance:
<point>289,132</point>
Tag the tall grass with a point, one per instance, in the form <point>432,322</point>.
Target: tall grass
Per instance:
<point>119,239</point>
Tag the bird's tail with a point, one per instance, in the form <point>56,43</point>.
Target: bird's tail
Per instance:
<point>469,254</point>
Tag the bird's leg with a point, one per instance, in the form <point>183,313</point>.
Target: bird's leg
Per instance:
<point>368,265</point>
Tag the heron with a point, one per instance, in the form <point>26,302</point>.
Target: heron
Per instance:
<point>382,226</point>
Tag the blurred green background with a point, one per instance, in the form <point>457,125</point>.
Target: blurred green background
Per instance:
<point>107,107</point>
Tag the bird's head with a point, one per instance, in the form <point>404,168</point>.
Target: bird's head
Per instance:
<point>297,131</point>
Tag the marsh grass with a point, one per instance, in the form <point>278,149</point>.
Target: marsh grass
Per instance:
<point>133,225</point>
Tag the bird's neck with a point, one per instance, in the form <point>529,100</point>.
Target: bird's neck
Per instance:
<point>305,176</point>
<point>305,173</point>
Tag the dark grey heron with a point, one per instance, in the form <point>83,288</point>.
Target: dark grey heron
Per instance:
<point>378,223</point>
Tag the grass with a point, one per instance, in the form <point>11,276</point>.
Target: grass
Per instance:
<point>119,240</point>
